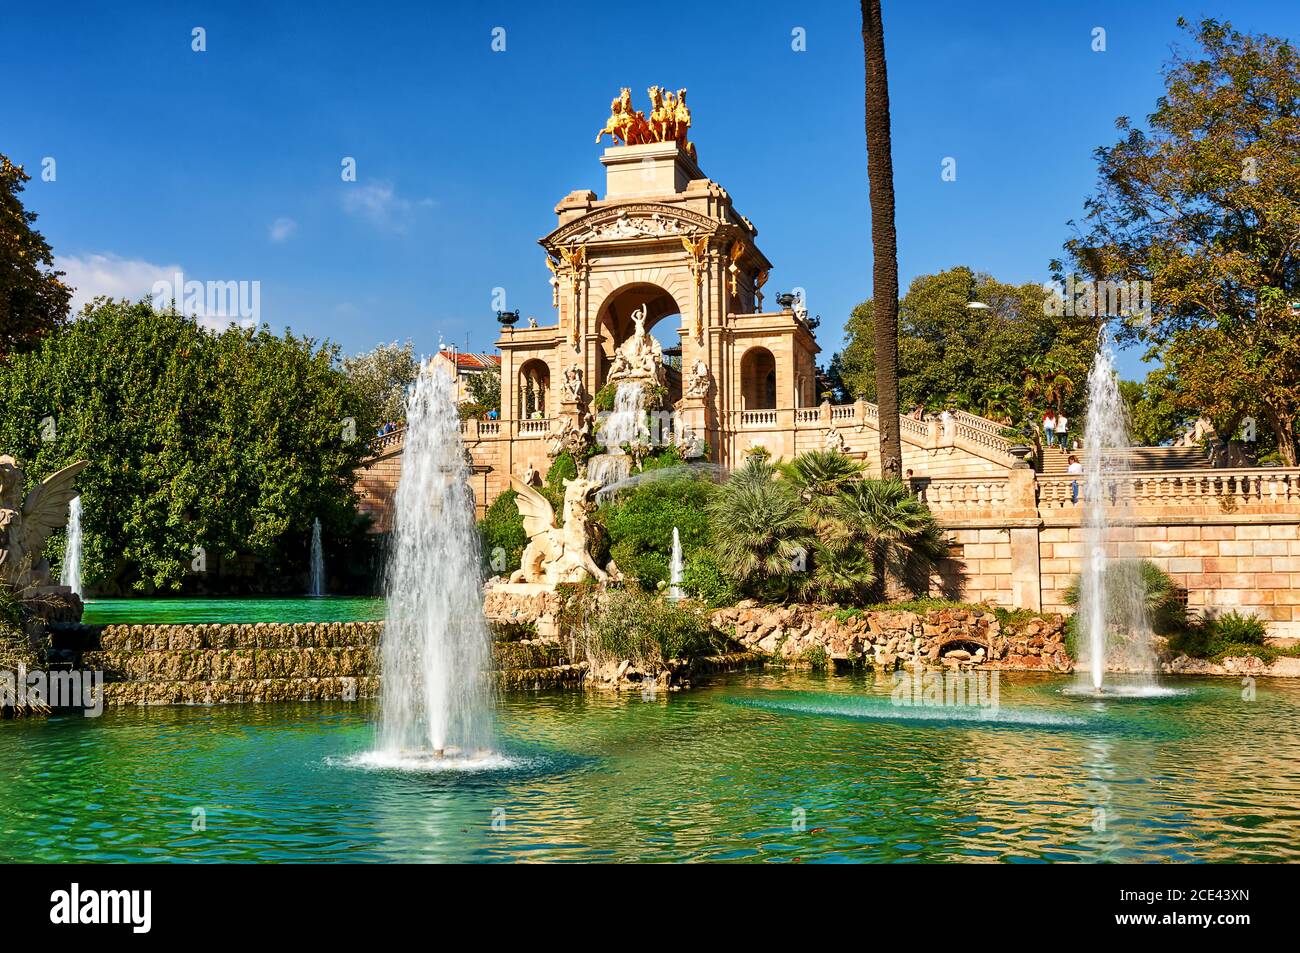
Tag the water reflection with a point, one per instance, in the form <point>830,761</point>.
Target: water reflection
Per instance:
<point>765,766</point>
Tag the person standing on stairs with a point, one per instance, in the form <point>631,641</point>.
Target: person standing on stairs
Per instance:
<point>1063,430</point>
<point>1074,469</point>
<point>1049,429</point>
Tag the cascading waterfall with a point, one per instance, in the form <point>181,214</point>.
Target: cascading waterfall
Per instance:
<point>435,650</point>
<point>317,561</point>
<point>626,424</point>
<point>675,570</point>
<point>70,575</point>
<point>1113,623</point>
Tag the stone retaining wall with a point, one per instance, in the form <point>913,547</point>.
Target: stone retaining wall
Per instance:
<point>216,663</point>
<point>961,638</point>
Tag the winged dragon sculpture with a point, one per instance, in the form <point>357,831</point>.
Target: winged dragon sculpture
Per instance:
<point>556,554</point>
<point>26,524</point>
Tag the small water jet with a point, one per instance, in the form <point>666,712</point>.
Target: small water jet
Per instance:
<point>1113,623</point>
<point>435,650</point>
<point>70,574</point>
<point>317,561</point>
<point>675,570</point>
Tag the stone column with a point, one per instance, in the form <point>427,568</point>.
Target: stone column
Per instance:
<point>1024,526</point>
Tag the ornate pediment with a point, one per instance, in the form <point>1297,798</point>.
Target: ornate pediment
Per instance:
<point>632,222</point>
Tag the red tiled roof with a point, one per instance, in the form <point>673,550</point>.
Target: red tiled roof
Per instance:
<point>477,362</point>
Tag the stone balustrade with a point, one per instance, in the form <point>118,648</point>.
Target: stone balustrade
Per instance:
<point>1260,489</point>
<point>957,496</point>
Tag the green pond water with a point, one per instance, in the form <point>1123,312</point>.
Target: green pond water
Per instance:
<point>188,611</point>
<point>718,773</point>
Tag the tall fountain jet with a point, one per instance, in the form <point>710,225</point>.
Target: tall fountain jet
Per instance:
<point>317,561</point>
<point>70,575</point>
<point>435,650</point>
<point>1113,623</point>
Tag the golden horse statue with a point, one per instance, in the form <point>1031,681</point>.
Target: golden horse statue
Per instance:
<point>625,123</point>
<point>669,121</point>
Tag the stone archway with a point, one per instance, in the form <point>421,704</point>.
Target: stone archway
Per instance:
<point>758,379</point>
<point>663,319</point>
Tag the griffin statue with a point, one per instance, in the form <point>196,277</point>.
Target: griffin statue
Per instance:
<point>556,554</point>
<point>26,524</point>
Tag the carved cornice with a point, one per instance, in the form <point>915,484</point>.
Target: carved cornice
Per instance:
<point>632,222</point>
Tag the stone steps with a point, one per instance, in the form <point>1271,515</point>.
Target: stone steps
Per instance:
<point>1056,460</point>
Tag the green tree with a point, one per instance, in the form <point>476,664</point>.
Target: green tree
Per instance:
<point>1155,415</point>
<point>223,444</point>
<point>883,522</point>
<point>380,378</point>
<point>884,238</point>
<point>1205,205</point>
<point>33,301</point>
<point>485,390</point>
<point>972,359</point>
<point>819,477</point>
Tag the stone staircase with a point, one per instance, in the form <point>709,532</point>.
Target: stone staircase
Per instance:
<point>1055,460</point>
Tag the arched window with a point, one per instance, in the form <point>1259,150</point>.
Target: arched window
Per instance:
<point>534,388</point>
<point>758,379</point>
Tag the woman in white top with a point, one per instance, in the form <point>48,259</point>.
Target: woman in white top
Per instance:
<point>1074,469</point>
<point>1062,430</point>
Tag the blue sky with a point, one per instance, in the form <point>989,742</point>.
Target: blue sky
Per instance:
<point>226,163</point>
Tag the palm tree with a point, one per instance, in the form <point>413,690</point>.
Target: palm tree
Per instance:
<point>883,519</point>
<point>1048,381</point>
<point>884,239</point>
<point>819,476</point>
<point>760,532</point>
<point>1001,403</point>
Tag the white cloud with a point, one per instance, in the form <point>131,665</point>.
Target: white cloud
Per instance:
<point>94,275</point>
<point>282,228</point>
<point>379,204</point>
<point>213,305</point>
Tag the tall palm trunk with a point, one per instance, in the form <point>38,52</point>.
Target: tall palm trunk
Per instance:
<point>884,240</point>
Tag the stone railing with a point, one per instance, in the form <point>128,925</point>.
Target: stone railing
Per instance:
<point>975,433</point>
<point>384,441</point>
<point>534,427</point>
<point>758,418</point>
<point>946,496</point>
<point>1254,489</point>
<point>982,436</point>
<point>978,423</point>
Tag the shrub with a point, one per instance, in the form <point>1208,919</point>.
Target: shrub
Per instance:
<point>631,624</point>
<point>563,468</point>
<point>502,527</point>
<point>705,580</point>
<point>604,399</point>
<point>1160,596</point>
<point>1235,628</point>
<point>640,524</point>
<point>876,532</point>
<point>760,531</point>
<point>1218,637</point>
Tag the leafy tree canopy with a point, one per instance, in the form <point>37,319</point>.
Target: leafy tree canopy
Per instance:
<point>380,378</point>
<point>230,442</point>
<point>33,301</point>
<point>997,361</point>
<point>1205,204</point>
